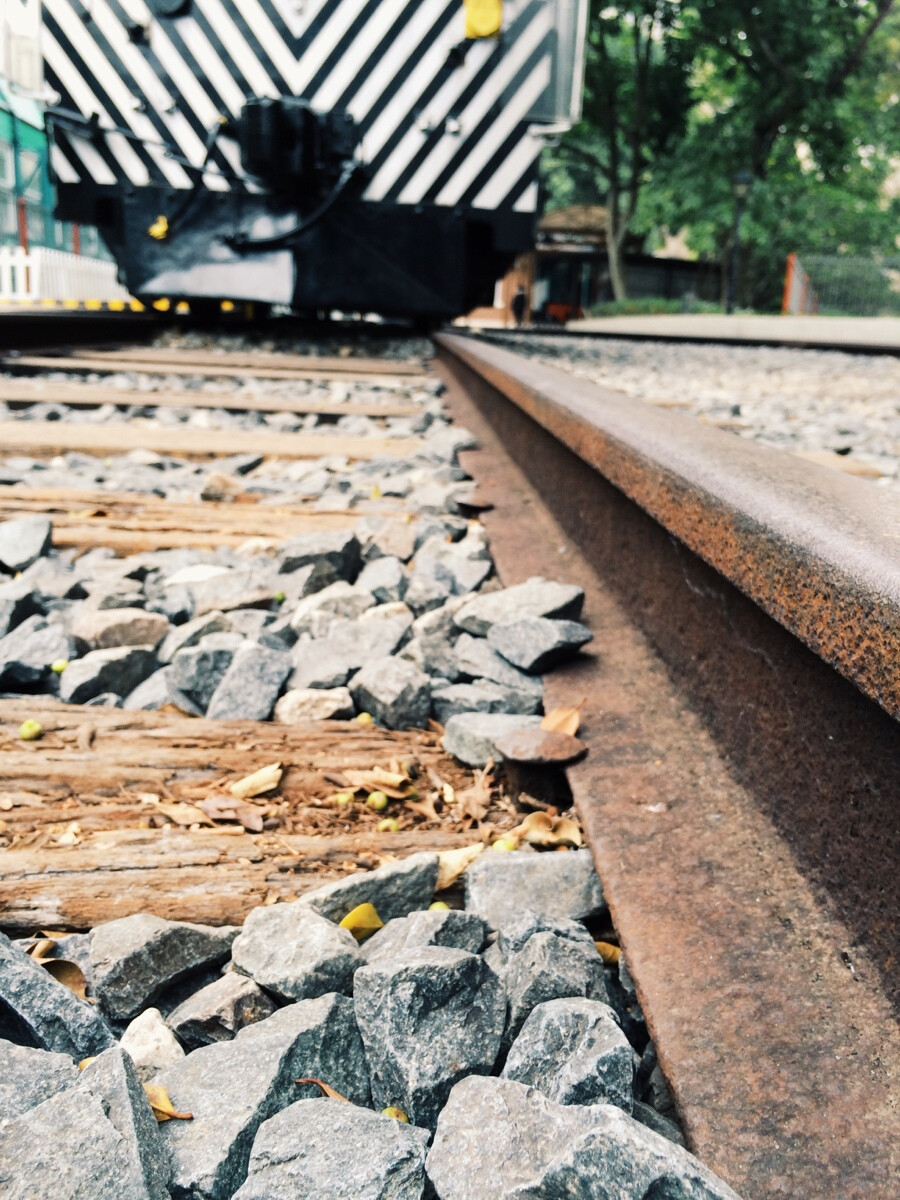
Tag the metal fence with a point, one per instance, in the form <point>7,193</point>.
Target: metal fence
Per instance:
<point>44,274</point>
<point>835,285</point>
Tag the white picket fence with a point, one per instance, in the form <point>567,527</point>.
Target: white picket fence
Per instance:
<point>42,274</point>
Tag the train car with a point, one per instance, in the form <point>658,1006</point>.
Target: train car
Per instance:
<point>362,155</point>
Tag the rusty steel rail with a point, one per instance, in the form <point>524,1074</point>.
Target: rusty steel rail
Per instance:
<point>741,792</point>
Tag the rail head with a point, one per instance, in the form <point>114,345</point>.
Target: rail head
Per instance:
<point>816,550</point>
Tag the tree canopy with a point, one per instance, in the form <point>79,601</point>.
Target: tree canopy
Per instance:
<point>803,94</point>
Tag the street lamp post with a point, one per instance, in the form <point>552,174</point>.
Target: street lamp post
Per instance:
<point>741,183</point>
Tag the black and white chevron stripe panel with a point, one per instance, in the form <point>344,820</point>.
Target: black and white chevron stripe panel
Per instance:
<point>442,122</point>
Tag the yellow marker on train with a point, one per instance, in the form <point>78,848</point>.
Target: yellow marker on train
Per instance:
<point>484,18</point>
<point>160,228</point>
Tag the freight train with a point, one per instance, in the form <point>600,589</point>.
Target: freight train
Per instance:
<point>361,155</point>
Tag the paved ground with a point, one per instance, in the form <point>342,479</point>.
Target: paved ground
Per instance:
<point>874,332</point>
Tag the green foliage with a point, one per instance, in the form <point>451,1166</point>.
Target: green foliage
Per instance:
<point>649,306</point>
<point>803,93</point>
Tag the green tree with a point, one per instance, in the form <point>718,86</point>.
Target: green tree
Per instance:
<point>636,101</point>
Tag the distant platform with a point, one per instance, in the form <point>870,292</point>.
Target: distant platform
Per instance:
<point>880,335</point>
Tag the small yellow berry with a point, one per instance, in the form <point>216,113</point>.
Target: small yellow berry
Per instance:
<point>439,906</point>
<point>31,730</point>
<point>364,718</point>
<point>397,1113</point>
<point>59,665</point>
<point>377,801</point>
<point>343,798</point>
<point>503,844</point>
<point>279,597</point>
<point>388,825</point>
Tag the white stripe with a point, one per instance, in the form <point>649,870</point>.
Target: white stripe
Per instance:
<point>528,201</point>
<point>394,113</point>
<point>118,94</point>
<point>298,14</point>
<point>268,37</point>
<point>322,45</point>
<point>212,66</point>
<point>62,168</point>
<point>347,69</point>
<point>402,50</point>
<point>87,103</point>
<point>505,179</point>
<point>491,93</point>
<point>238,49</point>
<point>95,167</point>
<point>517,110</point>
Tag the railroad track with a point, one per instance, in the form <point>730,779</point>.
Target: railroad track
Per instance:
<point>741,712</point>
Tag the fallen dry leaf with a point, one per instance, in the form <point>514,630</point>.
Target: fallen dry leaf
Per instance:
<point>542,829</point>
<point>86,1062</point>
<point>425,808</point>
<point>362,921</point>
<point>452,863</point>
<point>68,973</point>
<point>473,802</point>
<point>225,808</point>
<point>184,814</point>
<point>162,1106</point>
<point>326,1089</point>
<point>266,779</point>
<point>563,720</point>
<point>608,952</point>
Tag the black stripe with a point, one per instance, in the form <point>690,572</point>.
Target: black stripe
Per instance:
<point>487,121</point>
<point>93,85</point>
<point>394,34</point>
<point>234,66</point>
<point>494,164</point>
<point>318,24</point>
<point>475,85</point>
<point>515,193</point>
<point>336,56</point>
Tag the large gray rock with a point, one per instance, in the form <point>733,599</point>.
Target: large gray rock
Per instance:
<point>536,597</point>
<point>118,671</point>
<point>17,602</point>
<point>232,1087</point>
<point>153,693</point>
<point>314,704</point>
<point>336,549</point>
<point>250,686</point>
<point>395,890</point>
<point>112,1079</point>
<point>536,644</point>
<point>23,541</point>
<point>66,1147</point>
<point>192,632</point>
<point>103,628</point>
<point>458,567</point>
<point>28,1077</point>
<point>558,885</point>
<point>427,1018</point>
<point>334,1151</point>
<point>151,1044</point>
<point>27,652</point>
<point>470,736</point>
<point>386,578</point>
<point>330,661</point>
<point>459,930</point>
<point>294,953</point>
<point>502,1139</point>
<point>35,1010</point>
<point>551,964</point>
<point>434,655</point>
<point>476,660</point>
<point>395,692</point>
<point>340,599</point>
<point>198,670</point>
<point>136,958</point>
<point>220,1010</point>
<point>239,587</point>
<point>456,698</point>
<point>573,1051</point>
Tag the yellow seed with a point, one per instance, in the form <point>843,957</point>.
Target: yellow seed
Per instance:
<point>503,844</point>
<point>439,906</point>
<point>397,1113</point>
<point>343,798</point>
<point>377,801</point>
<point>279,597</point>
<point>31,730</point>
<point>608,952</point>
<point>388,825</point>
<point>59,665</point>
<point>364,718</point>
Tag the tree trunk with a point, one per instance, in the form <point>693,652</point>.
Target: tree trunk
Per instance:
<point>616,260</point>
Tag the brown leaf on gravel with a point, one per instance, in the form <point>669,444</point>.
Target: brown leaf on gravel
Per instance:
<point>472,803</point>
<point>540,829</point>
<point>184,814</point>
<point>67,973</point>
<point>452,863</point>
<point>327,1090</point>
<point>424,808</point>
<point>163,1108</point>
<point>563,720</point>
